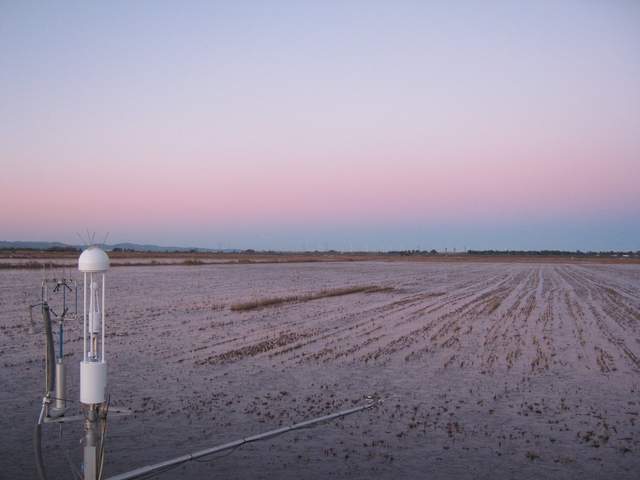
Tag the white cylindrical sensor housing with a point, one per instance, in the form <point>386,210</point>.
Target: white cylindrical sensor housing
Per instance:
<point>61,386</point>
<point>93,382</point>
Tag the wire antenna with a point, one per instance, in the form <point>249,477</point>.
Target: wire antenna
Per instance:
<point>91,238</point>
<point>104,241</point>
<point>83,242</point>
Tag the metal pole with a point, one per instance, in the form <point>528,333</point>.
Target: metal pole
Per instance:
<point>61,339</point>
<point>60,403</point>
<point>64,312</point>
<point>103,314</point>
<point>84,318</point>
<point>90,465</point>
<point>231,445</point>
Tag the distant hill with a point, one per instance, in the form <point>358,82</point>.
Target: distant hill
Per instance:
<point>126,246</point>
<point>136,247</point>
<point>4,245</point>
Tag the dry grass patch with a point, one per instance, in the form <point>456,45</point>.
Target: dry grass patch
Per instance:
<point>335,292</point>
<point>192,262</point>
<point>31,265</point>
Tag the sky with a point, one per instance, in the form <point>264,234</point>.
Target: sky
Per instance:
<point>314,125</point>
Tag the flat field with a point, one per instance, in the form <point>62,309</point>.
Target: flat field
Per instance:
<point>485,370</point>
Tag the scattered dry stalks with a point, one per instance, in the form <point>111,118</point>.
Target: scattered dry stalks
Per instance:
<point>336,292</point>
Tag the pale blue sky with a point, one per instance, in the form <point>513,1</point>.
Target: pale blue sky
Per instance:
<point>496,124</point>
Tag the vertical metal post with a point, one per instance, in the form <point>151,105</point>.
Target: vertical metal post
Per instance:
<point>92,316</point>
<point>64,313</point>
<point>60,403</point>
<point>90,465</point>
<point>93,372</point>
<point>103,314</point>
<point>61,340</point>
<point>84,318</point>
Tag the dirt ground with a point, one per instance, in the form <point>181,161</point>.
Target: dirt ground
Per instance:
<point>486,370</point>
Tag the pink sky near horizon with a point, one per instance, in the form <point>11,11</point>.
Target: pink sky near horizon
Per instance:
<point>338,194</point>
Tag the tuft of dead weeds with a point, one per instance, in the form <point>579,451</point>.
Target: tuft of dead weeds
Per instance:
<point>336,292</point>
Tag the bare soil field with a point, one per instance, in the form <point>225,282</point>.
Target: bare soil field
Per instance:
<point>486,369</point>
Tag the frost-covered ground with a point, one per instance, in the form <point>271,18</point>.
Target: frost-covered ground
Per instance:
<point>492,370</point>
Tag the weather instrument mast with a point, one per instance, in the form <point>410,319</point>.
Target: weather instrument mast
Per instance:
<point>54,400</point>
<point>93,264</point>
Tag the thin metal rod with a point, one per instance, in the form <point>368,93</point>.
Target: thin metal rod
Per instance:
<point>92,314</point>
<point>84,319</point>
<point>61,324</point>
<point>231,445</point>
<point>102,317</point>
<point>61,340</point>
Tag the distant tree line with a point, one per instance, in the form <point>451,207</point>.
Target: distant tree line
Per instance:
<point>417,252</point>
<point>407,253</point>
<point>562,253</point>
<point>49,249</point>
<point>68,248</point>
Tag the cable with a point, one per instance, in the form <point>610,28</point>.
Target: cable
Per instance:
<point>50,353</point>
<point>74,470</point>
<point>49,386</point>
<point>37,443</point>
<point>103,438</point>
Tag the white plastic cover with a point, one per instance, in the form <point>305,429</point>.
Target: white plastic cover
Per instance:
<point>93,382</point>
<point>93,259</point>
